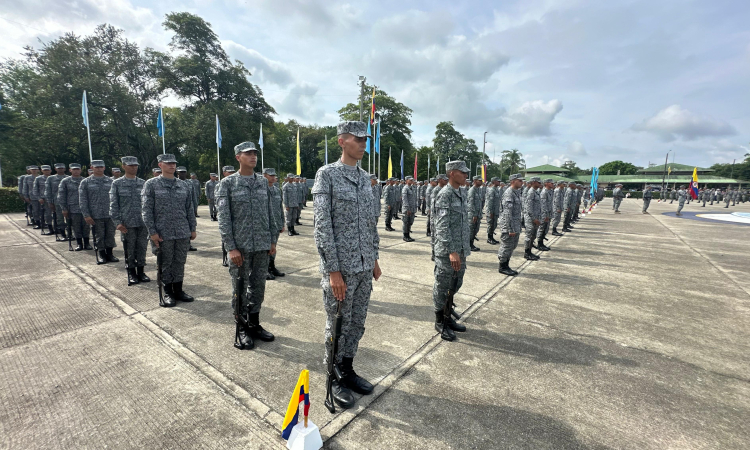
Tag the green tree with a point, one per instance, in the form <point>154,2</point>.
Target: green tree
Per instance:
<point>512,161</point>
<point>612,167</point>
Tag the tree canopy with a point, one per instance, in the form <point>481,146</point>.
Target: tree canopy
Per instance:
<point>613,167</point>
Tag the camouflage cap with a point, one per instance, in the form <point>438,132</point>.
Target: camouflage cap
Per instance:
<point>476,177</point>
<point>456,165</point>
<point>155,170</point>
<point>533,179</point>
<point>115,169</point>
<point>227,169</point>
<point>493,179</point>
<point>560,182</point>
<point>34,167</point>
<point>433,179</point>
<point>442,177</point>
<point>166,158</point>
<point>59,165</point>
<point>192,174</point>
<point>28,167</point>
<point>74,166</point>
<point>373,177</point>
<point>97,163</point>
<point>683,186</point>
<point>353,127</point>
<point>618,184</point>
<point>269,171</point>
<point>46,167</point>
<point>409,178</point>
<point>212,174</point>
<point>91,170</point>
<point>548,180</point>
<point>515,176</point>
<point>245,147</point>
<point>290,175</point>
<point>129,161</point>
<point>181,169</point>
<point>297,177</point>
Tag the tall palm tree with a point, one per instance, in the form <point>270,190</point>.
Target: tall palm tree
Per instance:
<point>513,160</point>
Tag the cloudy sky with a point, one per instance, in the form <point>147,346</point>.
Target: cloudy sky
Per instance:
<point>588,81</point>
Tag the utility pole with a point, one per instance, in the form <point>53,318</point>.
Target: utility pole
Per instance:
<point>664,174</point>
<point>732,173</point>
<point>361,94</point>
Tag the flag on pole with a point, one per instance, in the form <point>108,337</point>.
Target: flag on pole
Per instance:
<point>218,132</point>
<point>299,160</point>
<point>377,140</point>
<point>402,164</point>
<point>372,110</point>
<point>390,165</point>
<point>367,147</point>
<point>85,111</point>
<point>301,395</point>
<point>694,184</point>
<point>326,137</point>
<point>160,123</point>
<point>484,172</point>
<point>437,166</point>
<point>260,141</point>
<point>415,167</point>
<point>428,167</point>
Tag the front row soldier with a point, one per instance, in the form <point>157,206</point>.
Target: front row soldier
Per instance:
<point>50,195</point>
<point>427,195</point>
<point>546,198</point>
<point>392,191</point>
<point>474,209</point>
<point>492,209</point>
<point>182,175</point>
<point>558,197</point>
<point>33,197</point>
<point>249,233</point>
<point>278,218</point>
<point>69,201</point>
<point>348,243</point>
<point>167,210</point>
<point>681,196</point>
<point>568,206</point>
<point>210,189</point>
<point>94,202</point>
<point>647,196</point>
<point>510,224</point>
<point>45,215</point>
<point>532,216</point>
<point>409,204</point>
<point>125,210</point>
<point>291,204</point>
<point>452,236</point>
<point>617,197</point>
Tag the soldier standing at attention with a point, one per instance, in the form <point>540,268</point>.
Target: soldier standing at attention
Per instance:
<point>22,194</point>
<point>397,198</point>
<point>386,203</point>
<point>681,196</point>
<point>409,202</point>
<point>568,200</point>
<point>727,198</point>
<point>155,172</point>
<point>510,224</point>
<point>452,243</point>
<point>474,208</point>
<point>50,194</point>
<point>422,189</point>
<point>375,184</point>
<point>167,210</point>
<point>116,173</point>
<point>492,209</point>
<point>546,199</point>
<point>348,244</point>
<point>394,193</point>
<point>182,175</point>
<point>210,188</point>
<point>617,197</point>
<point>305,191</point>
<point>125,210</point>
<point>557,203</point>
<point>68,199</point>
<point>427,194</point>
<point>94,202</point>
<point>196,191</point>
<point>249,233</point>
<point>647,199</point>
<point>289,194</point>
<point>533,213</point>
<point>45,215</point>
<point>277,207</point>
<point>32,199</point>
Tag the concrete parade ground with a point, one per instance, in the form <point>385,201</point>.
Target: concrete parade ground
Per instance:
<point>633,332</point>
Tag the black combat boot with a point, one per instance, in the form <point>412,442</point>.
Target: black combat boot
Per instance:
<point>179,294</point>
<point>111,257</point>
<point>192,249</point>
<point>87,244</point>
<point>168,300</point>
<point>555,232</point>
<point>244,341</point>
<point>80,245</point>
<point>142,276</point>
<point>269,276</point>
<point>101,256</point>
<point>407,238</point>
<point>474,248</point>
<point>530,256</point>
<point>341,394</point>
<point>257,331</point>
<point>506,270</point>
<point>132,277</point>
<point>294,232</point>
<point>37,225</point>
<point>274,270</point>
<point>455,326</point>
<point>50,231</point>
<point>540,245</point>
<point>289,231</point>
<point>445,332</point>
<point>353,381</point>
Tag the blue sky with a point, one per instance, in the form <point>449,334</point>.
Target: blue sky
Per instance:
<point>559,80</point>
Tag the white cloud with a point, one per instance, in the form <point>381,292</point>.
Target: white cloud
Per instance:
<point>675,122</point>
<point>576,148</point>
<point>531,118</point>
<point>265,69</point>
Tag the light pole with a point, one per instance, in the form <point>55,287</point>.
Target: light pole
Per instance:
<point>664,175</point>
<point>484,153</point>
<point>361,94</point>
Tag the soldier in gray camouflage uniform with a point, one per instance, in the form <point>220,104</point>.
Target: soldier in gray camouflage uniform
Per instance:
<point>568,205</point>
<point>409,204</point>
<point>557,203</point>
<point>617,197</point>
<point>167,210</point>
<point>442,180</point>
<point>68,199</point>
<point>681,197</point>
<point>277,206</point>
<point>45,214</point>
<point>427,195</point>
<point>32,198</point>
<point>249,233</point>
<point>375,184</point>
<point>546,198</point>
<point>182,175</point>
<point>50,195</point>
<point>647,196</point>
<point>492,209</point>
<point>347,240</point>
<point>93,198</point>
<point>533,216</point>
<point>23,196</point>
<point>125,210</point>
<point>196,191</point>
<point>115,173</point>
<point>210,189</point>
<point>510,224</point>
<point>474,208</point>
<point>300,198</point>
<point>422,189</point>
<point>452,243</point>
<point>289,194</point>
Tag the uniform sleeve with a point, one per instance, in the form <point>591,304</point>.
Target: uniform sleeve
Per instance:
<point>48,190</point>
<point>147,208</point>
<point>114,204</point>
<point>35,188</point>
<point>189,203</point>
<point>443,236</point>
<point>62,195</point>
<point>83,198</point>
<point>505,214</point>
<point>545,211</point>
<point>224,215</point>
<point>272,225</point>
<point>324,223</point>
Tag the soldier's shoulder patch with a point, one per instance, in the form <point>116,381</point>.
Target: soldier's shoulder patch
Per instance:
<point>442,212</point>
<point>222,201</point>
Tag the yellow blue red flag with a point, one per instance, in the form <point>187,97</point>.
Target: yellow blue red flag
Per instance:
<point>301,394</point>
<point>694,184</point>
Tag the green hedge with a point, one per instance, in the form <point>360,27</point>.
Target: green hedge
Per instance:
<point>10,202</point>
<point>637,194</point>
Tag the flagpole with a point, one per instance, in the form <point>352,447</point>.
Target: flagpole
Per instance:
<point>163,135</point>
<point>262,163</point>
<point>218,155</point>
<point>88,131</point>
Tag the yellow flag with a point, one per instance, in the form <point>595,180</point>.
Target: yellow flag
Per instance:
<point>299,161</point>
<point>390,164</point>
<point>301,395</point>
<point>670,170</point>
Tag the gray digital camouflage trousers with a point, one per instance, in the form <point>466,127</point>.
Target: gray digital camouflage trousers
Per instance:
<point>508,243</point>
<point>542,230</point>
<point>474,229</point>
<point>680,205</point>
<point>134,243</point>
<point>647,201</point>
<point>47,213</point>
<point>491,225</point>
<point>530,234</point>
<point>60,218</point>
<point>104,233</point>
<point>407,220</point>
<point>353,311</point>
<point>212,207</point>
<point>254,269</point>
<point>556,216</point>
<point>292,214</point>
<point>616,204</point>
<point>173,256</point>
<point>444,280</point>
<point>79,226</point>
<point>36,210</point>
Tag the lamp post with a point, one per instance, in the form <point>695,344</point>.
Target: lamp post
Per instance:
<point>484,153</point>
<point>664,175</point>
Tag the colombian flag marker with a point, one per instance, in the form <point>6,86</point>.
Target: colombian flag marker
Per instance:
<point>300,435</point>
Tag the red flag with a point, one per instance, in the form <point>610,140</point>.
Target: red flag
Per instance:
<point>372,110</point>
<point>415,167</point>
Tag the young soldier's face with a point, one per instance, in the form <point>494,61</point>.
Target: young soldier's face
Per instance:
<point>249,159</point>
<point>98,171</point>
<point>75,172</point>
<point>353,146</point>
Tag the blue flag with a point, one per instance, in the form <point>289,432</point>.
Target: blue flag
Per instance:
<point>326,136</point>
<point>218,132</point>
<point>377,140</point>
<point>85,111</point>
<point>367,148</point>
<point>402,164</point>
<point>160,124</point>
<point>260,142</point>
<point>437,166</point>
